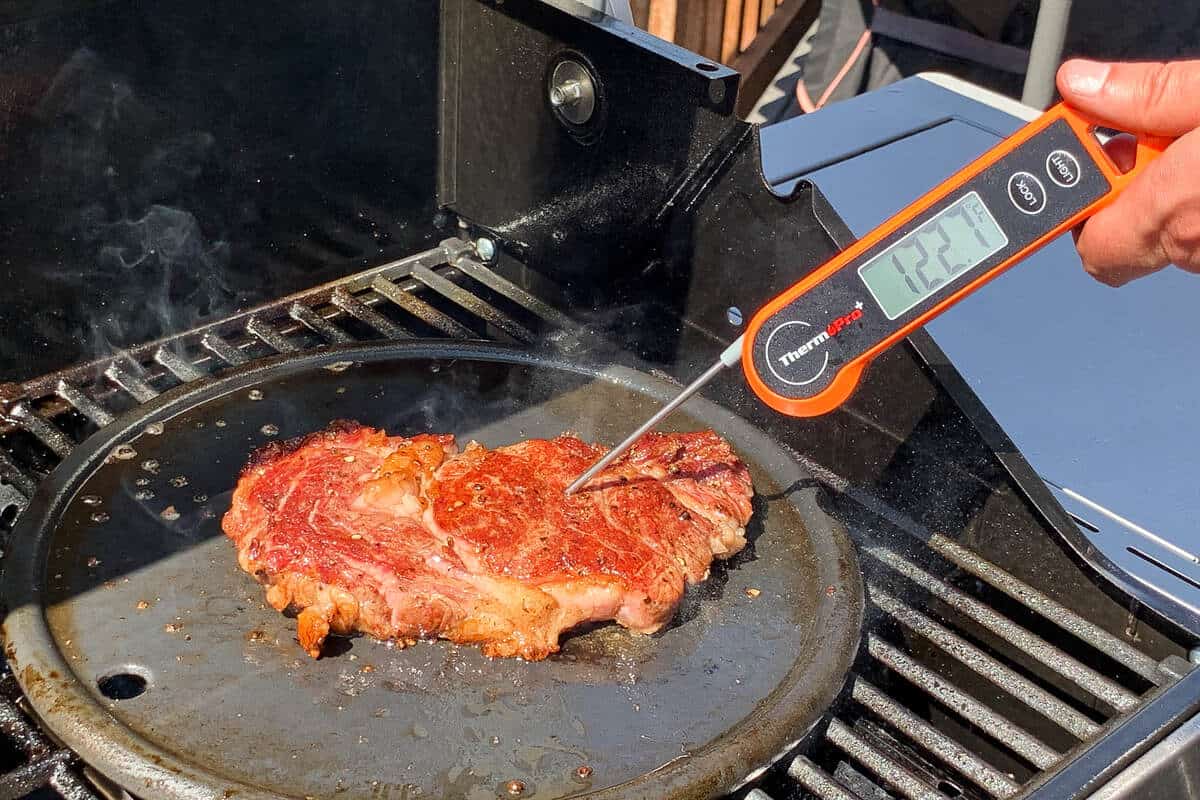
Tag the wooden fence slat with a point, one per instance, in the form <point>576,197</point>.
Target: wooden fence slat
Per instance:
<point>662,19</point>
<point>641,13</point>
<point>730,31</point>
<point>749,23</point>
<point>714,20</point>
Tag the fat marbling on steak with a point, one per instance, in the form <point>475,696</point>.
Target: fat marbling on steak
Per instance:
<point>408,538</point>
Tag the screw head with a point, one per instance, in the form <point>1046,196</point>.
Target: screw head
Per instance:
<point>734,315</point>
<point>485,248</point>
<point>572,92</point>
<point>515,788</point>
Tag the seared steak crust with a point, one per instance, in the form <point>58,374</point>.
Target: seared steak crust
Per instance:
<point>406,538</point>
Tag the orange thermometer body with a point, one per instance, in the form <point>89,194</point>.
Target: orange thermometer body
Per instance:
<point>805,351</point>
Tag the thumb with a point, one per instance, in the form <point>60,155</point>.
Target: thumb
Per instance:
<point>1151,97</point>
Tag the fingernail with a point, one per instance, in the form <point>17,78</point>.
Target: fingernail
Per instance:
<point>1085,78</point>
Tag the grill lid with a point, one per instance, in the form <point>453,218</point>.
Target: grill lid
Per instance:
<point>145,648</point>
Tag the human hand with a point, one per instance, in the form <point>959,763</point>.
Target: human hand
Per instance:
<point>1156,220</point>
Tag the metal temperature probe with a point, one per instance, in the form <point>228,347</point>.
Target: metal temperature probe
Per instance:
<point>805,351</point>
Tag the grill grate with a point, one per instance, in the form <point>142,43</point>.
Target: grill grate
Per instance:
<point>951,696</point>
<point>393,301</point>
<point>401,299</point>
<point>884,742</point>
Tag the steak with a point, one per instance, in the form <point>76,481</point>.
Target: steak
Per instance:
<point>407,538</point>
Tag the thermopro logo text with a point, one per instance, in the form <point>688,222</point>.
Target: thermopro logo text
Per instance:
<point>792,342</point>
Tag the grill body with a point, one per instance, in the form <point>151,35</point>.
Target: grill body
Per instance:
<point>191,188</point>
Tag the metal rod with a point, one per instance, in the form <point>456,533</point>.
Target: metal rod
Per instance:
<point>892,773</point>
<point>1032,645</point>
<point>83,404</point>
<point>471,267</point>
<point>814,779</point>
<point>177,365</point>
<point>1052,610</point>
<point>367,315</point>
<point>472,303</point>
<point>1011,681</point>
<point>269,336</point>
<point>318,324</point>
<point>948,751</point>
<point>1045,53</point>
<point>223,349</point>
<point>1126,523</point>
<point>1001,729</point>
<point>25,417</point>
<point>135,386</point>
<point>729,357</point>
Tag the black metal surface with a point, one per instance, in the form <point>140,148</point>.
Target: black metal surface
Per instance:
<point>670,189</point>
<point>1095,765</point>
<point>166,165</point>
<point>232,704</point>
<point>1165,606</point>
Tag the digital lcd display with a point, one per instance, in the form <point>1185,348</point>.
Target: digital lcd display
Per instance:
<point>951,244</point>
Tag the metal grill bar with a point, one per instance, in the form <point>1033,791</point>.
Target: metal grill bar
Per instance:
<point>812,778</point>
<point>945,749</point>
<point>18,730</point>
<point>83,404</point>
<point>1002,730</point>
<point>1036,647</point>
<point>12,475</point>
<point>477,271</point>
<point>1012,682</point>
<point>893,774</point>
<point>47,766</point>
<point>269,336</point>
<point>70,786</point>
<point>177,365</point>
<point>318,324</point>
<point>34,775</point>
<point>223,349</point>
<point>135,386</point>
<point>1057,613</point>
<point>21,414</point>
<point>421,310</point>
<point>367,315</point>
<point>456,294</point>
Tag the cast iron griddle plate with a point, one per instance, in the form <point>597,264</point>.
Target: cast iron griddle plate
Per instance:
<point>234,709</point>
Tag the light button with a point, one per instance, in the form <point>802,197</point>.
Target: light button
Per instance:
<point>1063,168</point>
<point>1026,193</point>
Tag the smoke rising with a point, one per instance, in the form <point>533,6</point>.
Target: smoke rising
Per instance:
<point>123,179</point>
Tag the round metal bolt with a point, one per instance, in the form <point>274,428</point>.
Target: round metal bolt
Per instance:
<point>568,93</point>
<point>583,772</point>
<point>1194,655</point>
<point>716,92</point>
<point>572,93</point>
<point>734,315</point>
<point>485,248</point>
<point>515,788</point>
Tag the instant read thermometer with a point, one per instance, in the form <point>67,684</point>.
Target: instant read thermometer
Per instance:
<point>805,351</point>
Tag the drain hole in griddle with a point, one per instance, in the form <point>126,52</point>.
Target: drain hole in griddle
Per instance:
<point>122,685</point>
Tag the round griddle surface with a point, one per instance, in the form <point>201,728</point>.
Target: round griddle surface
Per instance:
<point>120,568</point>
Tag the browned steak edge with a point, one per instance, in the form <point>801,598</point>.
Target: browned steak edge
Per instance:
<point>273,451</point>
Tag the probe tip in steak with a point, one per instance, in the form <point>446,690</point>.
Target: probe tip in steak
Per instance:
<point>408,538</point>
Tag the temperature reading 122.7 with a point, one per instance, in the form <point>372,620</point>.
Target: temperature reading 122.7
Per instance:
<point>951,244</point>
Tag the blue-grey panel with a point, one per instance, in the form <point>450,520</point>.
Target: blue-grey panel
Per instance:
<point>1097,387</point>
